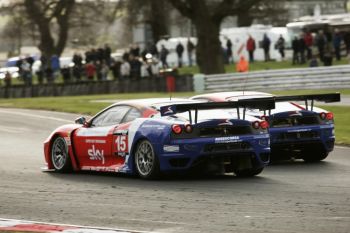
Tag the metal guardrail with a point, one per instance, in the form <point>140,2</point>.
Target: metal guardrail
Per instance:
<point>334,77</point>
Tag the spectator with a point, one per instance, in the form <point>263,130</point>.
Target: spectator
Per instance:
<point>98,66</point>
<point>107,54</point>
<point>308,39</point>
<point>302,48</point>
<point>190,50</point>
<point>242,65</point>
<point>125,70</point>
<point>251,48</point>
<point>55,65</point>
<point>328,59</point>
<point>163,56</point>
<point>280,45</point>
<point>145,70</point>
<point>337,39</point>
<point>229,50</point>
<point>266,42</point>
<point>90,70</point>
<point>8,79</point>
<point>49,74</point>
<point>135,67</point>
<point>155,68</point>
<point>104,70</point>
<point>26,73</point>
<point>115,67</point>
<point>65,71</point>
<point>179,51</point>
<point>321,42</point>
<point>295,48</point>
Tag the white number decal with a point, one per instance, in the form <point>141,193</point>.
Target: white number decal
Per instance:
<point>122,143</point>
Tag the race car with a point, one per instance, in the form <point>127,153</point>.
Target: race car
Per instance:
<point>296,131</point>
<point>154,136</point>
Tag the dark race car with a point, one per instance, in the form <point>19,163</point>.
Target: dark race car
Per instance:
<point>296,130</point>
<point>152,136</point>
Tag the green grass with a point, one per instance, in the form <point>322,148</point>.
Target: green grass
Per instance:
<point>342,126</point>
<point>79,104</point>
<point>300,92</point>
<point>259,65</point>
<point>88,105</point>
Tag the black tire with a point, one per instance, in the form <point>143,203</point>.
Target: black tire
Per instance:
<point>59,155</point>
<point>248,172</point>
<point>146,161</point>
<point>313,157</point>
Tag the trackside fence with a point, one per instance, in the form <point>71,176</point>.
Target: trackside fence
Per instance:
<point>334,77</point>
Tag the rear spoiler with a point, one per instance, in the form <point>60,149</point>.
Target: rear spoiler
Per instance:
<point>262,104</point>
<point>327,98</point>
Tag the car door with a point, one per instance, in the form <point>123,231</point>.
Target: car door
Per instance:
<point>121,138</point>
<point>93,143</point>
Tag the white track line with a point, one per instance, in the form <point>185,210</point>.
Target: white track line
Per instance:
<point>13,222</point>
<point>34,115</point>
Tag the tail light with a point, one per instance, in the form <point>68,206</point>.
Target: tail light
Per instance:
<point>177,129</point>
<point>256,124</point>
<point>264,124</point>
<point>261,124</point>
<point>188,128</point>
<point>329,116</point>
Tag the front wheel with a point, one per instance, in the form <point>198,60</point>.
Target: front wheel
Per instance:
<point>59,155</point>
<point>147,164</point>
<point>248,172</point>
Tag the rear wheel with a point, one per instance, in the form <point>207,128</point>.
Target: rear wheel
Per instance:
<point>248,172</point>
<point>147,164</point>
<point>59,155</point>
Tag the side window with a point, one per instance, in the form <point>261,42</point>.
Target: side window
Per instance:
<point>112,116</point>
<point>132,115</point>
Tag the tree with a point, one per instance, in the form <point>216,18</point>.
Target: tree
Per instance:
<point>207,16</point>
<point>43,14</point>
<point>152,12</point>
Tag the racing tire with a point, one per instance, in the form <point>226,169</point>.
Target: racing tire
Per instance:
<point>248,172</point>
<point>146,161</point>
<point>313,157</point>
<point>59,155</point>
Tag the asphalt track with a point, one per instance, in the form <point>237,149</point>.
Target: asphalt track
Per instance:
<point>286,197</point>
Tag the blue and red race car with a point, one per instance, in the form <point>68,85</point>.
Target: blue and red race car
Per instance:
<point>296,130</point>
<point>153,136</point>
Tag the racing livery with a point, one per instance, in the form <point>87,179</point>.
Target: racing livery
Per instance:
<point>298,131</point>
<point>152,136</point>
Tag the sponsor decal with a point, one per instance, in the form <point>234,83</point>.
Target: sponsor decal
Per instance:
<point>154,126</point>
<point>95,141</point>
<point>94,131</point>
<point>227,139</point>
<point>122,132</point>
<point>168,110</point>
<point>298,130</point>
<point>226,122</point>
<point>121,142</point>
<point>171,148</point>
<point>95,154</point>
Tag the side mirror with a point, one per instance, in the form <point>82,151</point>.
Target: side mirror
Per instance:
<point>80,120</point>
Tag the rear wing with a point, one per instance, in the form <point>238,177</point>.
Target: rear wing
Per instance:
<point>262,104</point>
<point>327,98</point>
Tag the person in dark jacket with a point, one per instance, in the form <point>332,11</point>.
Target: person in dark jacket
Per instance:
<point>337,39</point>
<point>179,51</point>
<point>321,42</point>
<point>280,45</point>
<point>295,48</point>
<point>302,48</point>
<point>163,56</point>
<point>266,42</point>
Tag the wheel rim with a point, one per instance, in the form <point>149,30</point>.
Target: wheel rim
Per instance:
<point>59,153</point>
<point>144,158</point>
